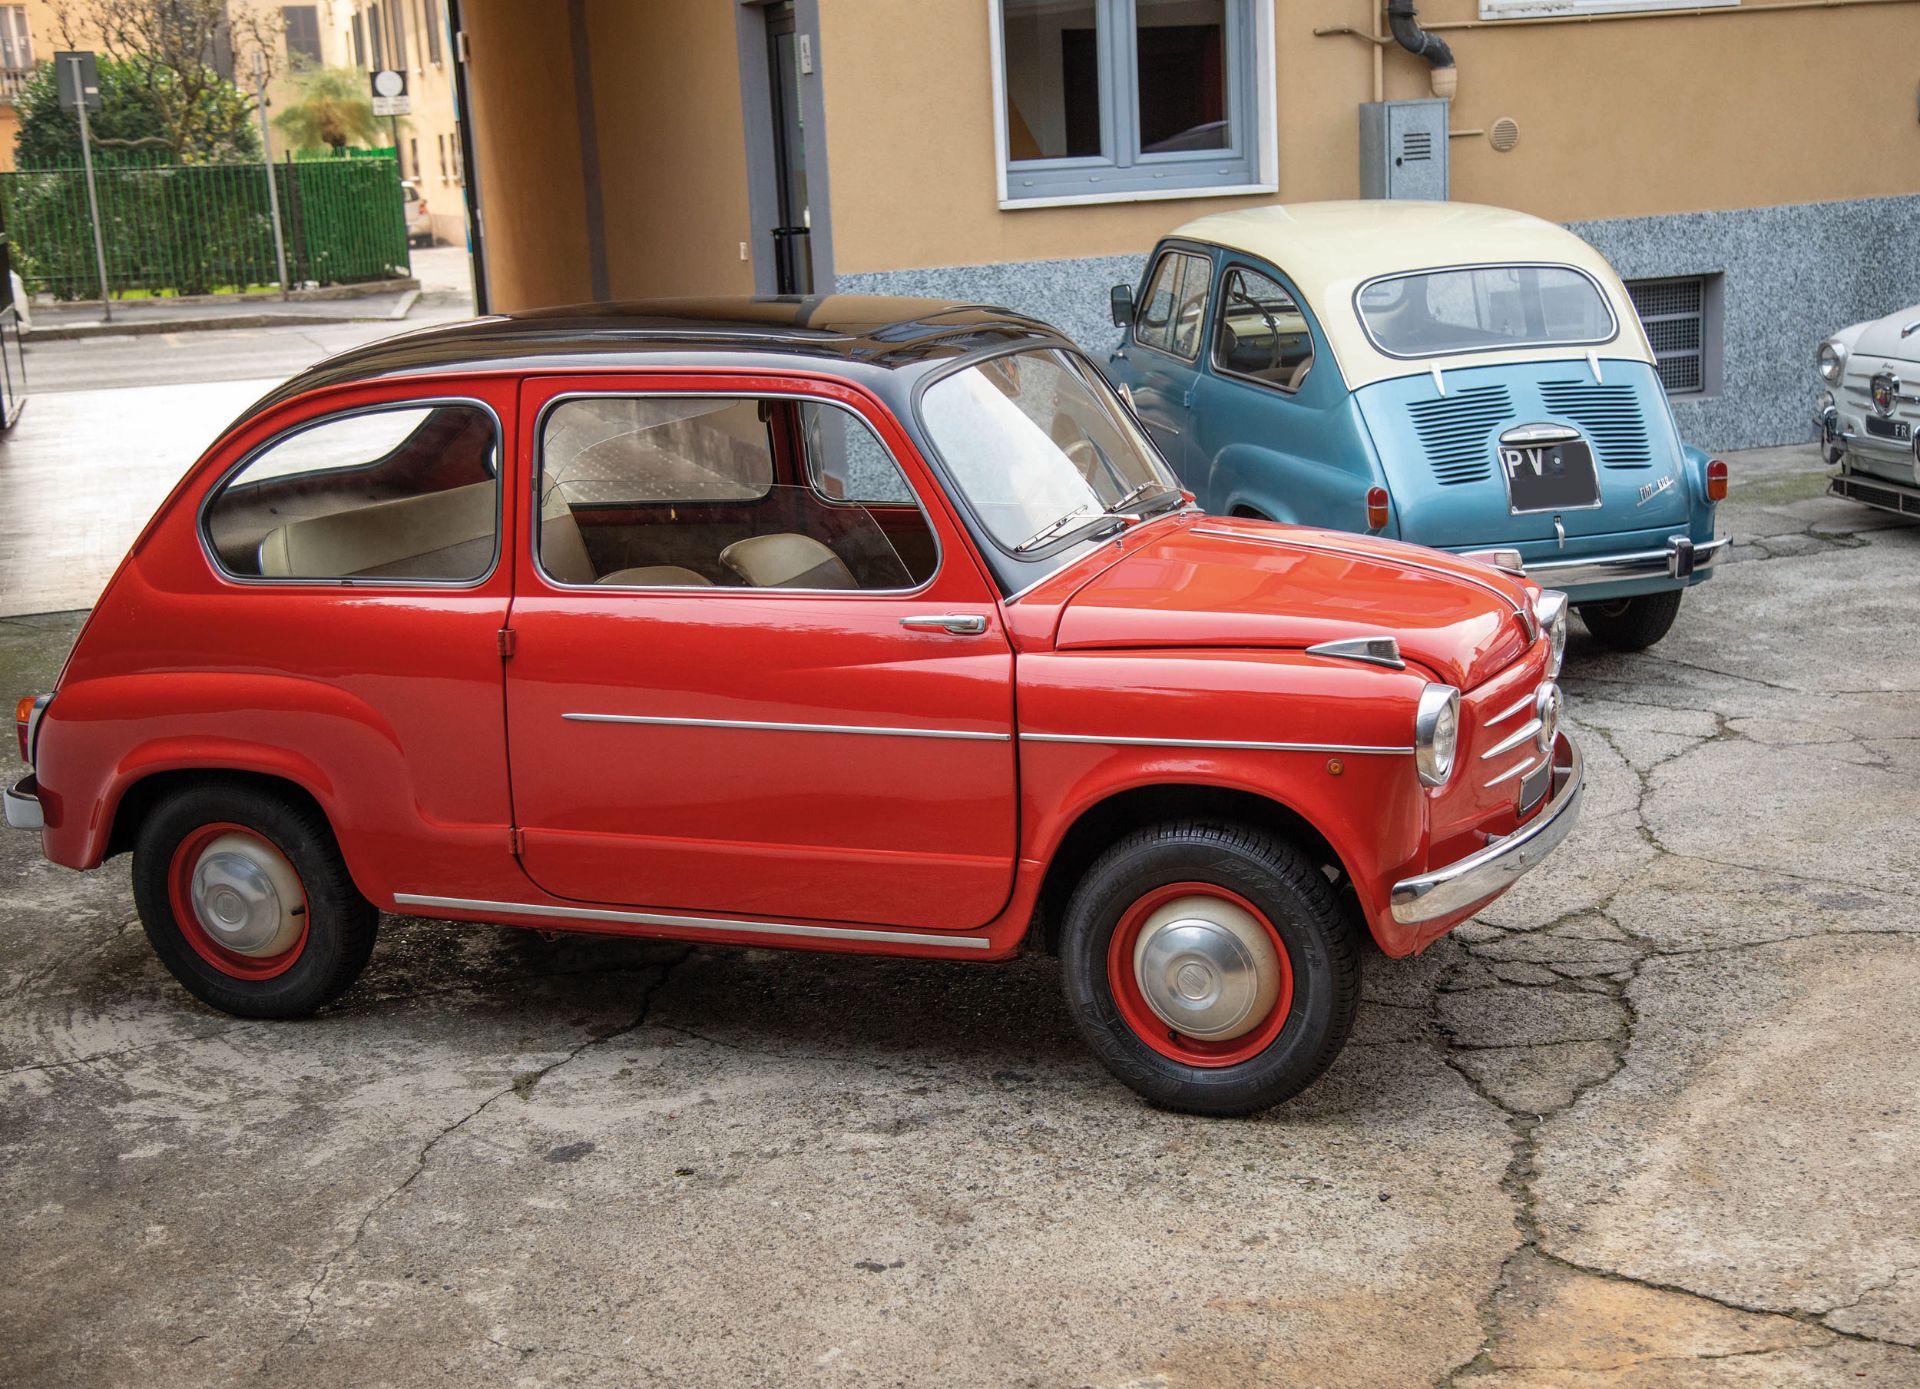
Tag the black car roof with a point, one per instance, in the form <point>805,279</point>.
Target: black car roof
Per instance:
<point>873,331</point>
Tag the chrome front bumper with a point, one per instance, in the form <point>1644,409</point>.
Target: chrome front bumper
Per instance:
<point>1681,559</point>
<point>22,800</point>
<point>1484,875</point>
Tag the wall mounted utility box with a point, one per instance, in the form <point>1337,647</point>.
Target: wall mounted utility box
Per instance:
<point>1403,149</point>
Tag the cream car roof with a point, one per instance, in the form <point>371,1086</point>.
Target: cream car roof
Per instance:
<point>1330,249</point>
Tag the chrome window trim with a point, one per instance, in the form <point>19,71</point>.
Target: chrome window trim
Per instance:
<point>1206,306</point>
<point>500,469</point>
<point>692,923</point>
<point>536,469</point>
<point>1227,373</point>
<point>1228,745</point>
<point>1365,285</point>
<point>865,730</point>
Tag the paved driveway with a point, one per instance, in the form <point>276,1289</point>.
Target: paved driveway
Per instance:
<point>1652,1121</point>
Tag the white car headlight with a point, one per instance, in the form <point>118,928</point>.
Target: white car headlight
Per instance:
<point>1831,361</point>
<point>1551,611</point>
<point>1436,729</point>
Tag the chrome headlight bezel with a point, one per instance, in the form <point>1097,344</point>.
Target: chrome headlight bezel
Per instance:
<point>1436,734</point>
<point>1830,361</point>
<point>1550,610</point>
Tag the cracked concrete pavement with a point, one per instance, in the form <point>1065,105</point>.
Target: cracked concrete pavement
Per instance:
<point>1649,1121</point>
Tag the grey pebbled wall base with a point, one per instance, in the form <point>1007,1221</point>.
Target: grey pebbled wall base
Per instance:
<point>1792,275</point>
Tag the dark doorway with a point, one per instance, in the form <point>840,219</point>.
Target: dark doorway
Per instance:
<point>792,255</point>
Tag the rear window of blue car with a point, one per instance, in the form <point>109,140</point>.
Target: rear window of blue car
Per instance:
<point>1484,308</point>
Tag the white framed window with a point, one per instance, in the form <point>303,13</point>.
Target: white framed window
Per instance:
<point>1543,9</point>
<point>1125,100</point>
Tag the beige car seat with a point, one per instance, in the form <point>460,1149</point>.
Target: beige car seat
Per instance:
<point>787,560</point>
<point>441,535</point>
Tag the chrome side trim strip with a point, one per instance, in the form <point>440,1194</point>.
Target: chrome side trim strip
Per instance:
<point>691,923</point>
<point>1524,702</point>
<point>1512,740</point>
<point>865,730</point>
<point>1519,769</point>
<point>1227,745</point>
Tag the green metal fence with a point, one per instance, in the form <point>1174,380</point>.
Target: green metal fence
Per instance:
<point>206,228</point>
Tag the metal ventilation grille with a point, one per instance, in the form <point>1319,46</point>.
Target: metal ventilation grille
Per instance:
<point>1674,314</point>
<point>1417,144</point>
<point>1457,432</point>
<point>1609,415</point>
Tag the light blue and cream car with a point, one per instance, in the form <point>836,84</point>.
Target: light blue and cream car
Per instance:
<point>1463,377</point>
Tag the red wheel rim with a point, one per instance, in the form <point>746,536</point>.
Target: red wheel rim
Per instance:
<point>180,892</point>
<point>1148,1025</point>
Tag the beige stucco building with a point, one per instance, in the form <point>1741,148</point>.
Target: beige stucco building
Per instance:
<point>1031,151</point>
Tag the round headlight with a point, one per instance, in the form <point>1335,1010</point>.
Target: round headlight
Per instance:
<point>1436,729</point>
<point>1551,612</point>
<point>1831,361</point>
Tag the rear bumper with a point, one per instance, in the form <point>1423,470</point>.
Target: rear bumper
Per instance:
<point>1876,491</point>
<point>1680,559</point>
<point>22,802</point>
<point>1484,875</point>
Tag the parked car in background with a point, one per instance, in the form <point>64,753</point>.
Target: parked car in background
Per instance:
<point>1869,410</point>
<point>1465,377</point>
<point>867,625</point>
<point>419,222</point>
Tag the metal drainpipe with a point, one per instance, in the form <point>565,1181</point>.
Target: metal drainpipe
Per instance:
<point>1443,75</point>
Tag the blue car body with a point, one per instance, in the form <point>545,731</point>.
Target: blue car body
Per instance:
<point>1427,431</point>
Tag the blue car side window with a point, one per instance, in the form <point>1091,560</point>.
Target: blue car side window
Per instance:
<point>1175,308</point>
<point>1262,334</point>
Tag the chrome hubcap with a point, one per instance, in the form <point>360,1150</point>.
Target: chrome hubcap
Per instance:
<point>247,896</point>
<point>1207,968</point>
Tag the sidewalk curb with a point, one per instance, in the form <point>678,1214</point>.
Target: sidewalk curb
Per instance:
<point>138,328</point>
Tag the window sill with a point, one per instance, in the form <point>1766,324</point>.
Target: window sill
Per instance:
<point>1145,195</point>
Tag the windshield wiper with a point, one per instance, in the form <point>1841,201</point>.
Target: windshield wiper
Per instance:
<point>1073,520</point>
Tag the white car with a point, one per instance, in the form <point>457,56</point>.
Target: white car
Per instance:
<point>419,223</point>
<point>1869,413</point>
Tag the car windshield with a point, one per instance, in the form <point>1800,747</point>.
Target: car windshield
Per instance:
<point>1041,448</point>
<point>1484,308</point>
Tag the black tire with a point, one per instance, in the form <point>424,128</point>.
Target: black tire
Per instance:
<point>1320,938</point>
<point>1632,624</point>
<point>340,923</point>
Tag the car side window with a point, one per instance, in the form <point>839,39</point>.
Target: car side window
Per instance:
<point>724,492</point>
<point>1175,310</point>
<point>1261,333</point>
<point>406,493</point>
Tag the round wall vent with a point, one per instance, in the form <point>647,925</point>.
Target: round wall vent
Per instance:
<point>1505,134</point>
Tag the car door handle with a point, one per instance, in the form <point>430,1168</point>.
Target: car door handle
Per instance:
<point>959,624</point>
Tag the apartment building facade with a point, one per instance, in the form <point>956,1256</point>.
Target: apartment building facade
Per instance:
<point>1030,152</point>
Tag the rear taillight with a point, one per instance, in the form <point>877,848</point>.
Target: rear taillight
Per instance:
<point>1376,508</point>
<point>1717,480</point>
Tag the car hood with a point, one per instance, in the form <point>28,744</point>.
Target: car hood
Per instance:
<point>1881,337</point>
<point>1213,582</point>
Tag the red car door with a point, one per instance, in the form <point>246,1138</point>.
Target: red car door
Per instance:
<point>697,720</point>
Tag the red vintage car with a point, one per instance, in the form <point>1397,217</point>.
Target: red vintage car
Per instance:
<point>869,625</point>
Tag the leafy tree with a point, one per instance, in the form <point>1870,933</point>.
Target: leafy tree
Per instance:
<point>333,111</point>
<point>128,121</point>
<point>175,52</point>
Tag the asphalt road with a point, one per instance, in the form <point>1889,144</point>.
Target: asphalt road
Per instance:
<point>1649,1123</point>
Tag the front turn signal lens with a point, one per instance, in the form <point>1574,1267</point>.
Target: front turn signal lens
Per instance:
<point>1717,480</point>
<point>22,721</point>
<point>1376,508</point>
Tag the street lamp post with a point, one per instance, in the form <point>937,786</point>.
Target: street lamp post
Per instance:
<point>273,187</point>
<point>93,194</point>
